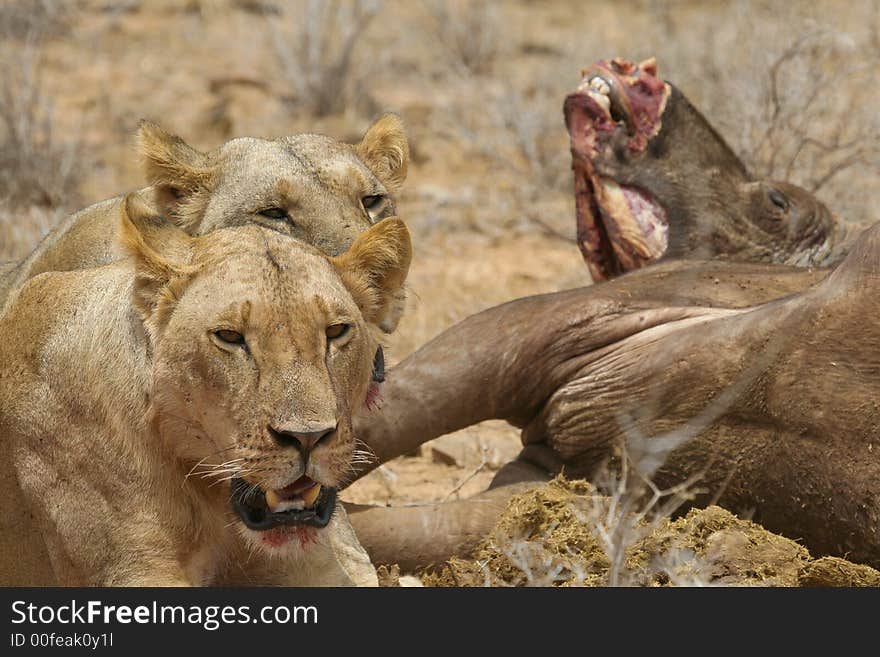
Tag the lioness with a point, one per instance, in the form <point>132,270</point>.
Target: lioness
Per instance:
<point>182,416</point>
<point>312,187</point>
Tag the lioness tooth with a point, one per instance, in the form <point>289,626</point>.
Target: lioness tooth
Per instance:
<point>277,504</point>
<point>286,505</point>
<point>273,501</point>
<point>311,494</point>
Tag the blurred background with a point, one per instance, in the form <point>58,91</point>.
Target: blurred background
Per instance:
<point>793,86</point>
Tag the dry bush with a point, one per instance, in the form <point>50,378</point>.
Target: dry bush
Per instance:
<point>259,7</point>
<point>29,17</point>
<point>631,508</point>
<point>318,59</point>
<point>799,103</point>
<point>22,227</point>
<point>467,31</point>
<point>615,531</point>
<point>36,164</point>
<point>39,168</point>
<point>604,524</point>
<point>531,140</point>
<point>807,132</point>
<point>521,136</point>
<point>568,533</point>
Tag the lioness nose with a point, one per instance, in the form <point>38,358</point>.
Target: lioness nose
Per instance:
<point>304,441</point>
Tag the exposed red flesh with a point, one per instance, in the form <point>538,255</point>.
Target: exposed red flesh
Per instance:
<point>646,94</point>
<point>592,237</point>
<point>637,97</point>
<point>586,120</point>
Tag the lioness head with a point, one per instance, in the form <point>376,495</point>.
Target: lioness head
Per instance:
<point>319,190</point>
<point>260,347</point>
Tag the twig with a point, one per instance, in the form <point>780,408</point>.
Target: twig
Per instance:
<point>548,230</point>
<point>473,474</point>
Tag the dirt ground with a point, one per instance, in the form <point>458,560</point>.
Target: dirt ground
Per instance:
<point>548,537</point>
<point>480,87</point>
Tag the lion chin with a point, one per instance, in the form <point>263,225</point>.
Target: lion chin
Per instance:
<point>283,541</point>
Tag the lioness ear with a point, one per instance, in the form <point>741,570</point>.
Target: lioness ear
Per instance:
<point>374,270</point>
<point>385,150</point>
<point>160,251</point>
<point>182,175</point>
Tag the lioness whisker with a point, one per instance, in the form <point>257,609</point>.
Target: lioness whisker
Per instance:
<point>220,471</point>
<point>238,473</point>
<point>367,449</point>
<point>216,473</point>
<point>202,464</point>
<point>194,468</point>
<point>365,456</point>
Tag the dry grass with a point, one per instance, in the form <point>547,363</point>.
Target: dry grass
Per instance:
<point>520,136</point>
<point>39,174</point>
<point>36,164</point>
<point>799,103</point>
<point>468,31</point>
<point>318,58</point>
<point>802,127</point>
<point>27,17</point>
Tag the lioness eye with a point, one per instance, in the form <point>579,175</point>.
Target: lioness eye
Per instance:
<point>778,200</point>
<point>276,213</point>
<point>372,202</point>
<point>336,331</point>
<point>229,337</point>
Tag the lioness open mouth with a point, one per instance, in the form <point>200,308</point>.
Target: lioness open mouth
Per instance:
<point>304,502</point>
<point>618,104</point>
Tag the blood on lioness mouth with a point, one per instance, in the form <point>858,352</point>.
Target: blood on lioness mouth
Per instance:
<point>278,536</point>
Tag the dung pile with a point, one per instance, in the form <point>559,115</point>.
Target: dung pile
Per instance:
<point>551,536</point>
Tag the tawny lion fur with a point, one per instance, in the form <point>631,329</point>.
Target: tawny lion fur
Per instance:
<point>317,183</point>
<point>122,414</point>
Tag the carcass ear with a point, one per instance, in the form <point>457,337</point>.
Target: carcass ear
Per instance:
<point>374,270</point>
<point>160,251</point>
<point>183,176</point>
<point>385,150</point>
